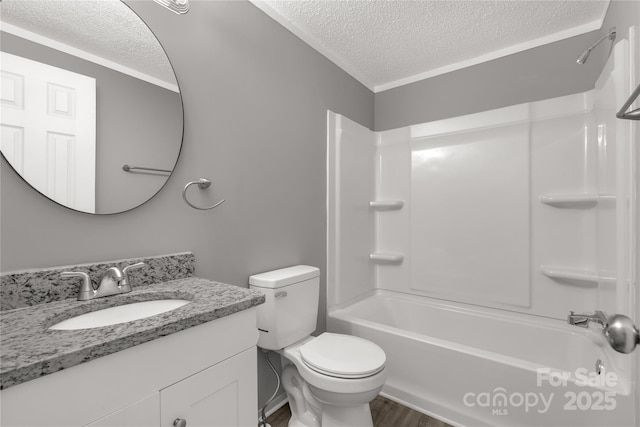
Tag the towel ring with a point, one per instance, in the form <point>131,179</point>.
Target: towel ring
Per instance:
<point>202,184</point>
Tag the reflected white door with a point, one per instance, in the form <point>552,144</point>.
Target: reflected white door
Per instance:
<point>48,129</point>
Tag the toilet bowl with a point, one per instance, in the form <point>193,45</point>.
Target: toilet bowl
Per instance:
<point>341,385</point>
<point>329,379</point>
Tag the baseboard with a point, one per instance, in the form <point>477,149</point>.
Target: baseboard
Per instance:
<point>277,403</point>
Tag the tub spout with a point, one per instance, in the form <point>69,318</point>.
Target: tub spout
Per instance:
<point>583,320</point>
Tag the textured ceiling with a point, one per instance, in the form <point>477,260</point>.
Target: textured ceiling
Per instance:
<point>384,43</point>
<point>105,28</point>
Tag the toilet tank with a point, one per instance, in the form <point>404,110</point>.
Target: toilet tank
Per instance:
<point>290,309</point>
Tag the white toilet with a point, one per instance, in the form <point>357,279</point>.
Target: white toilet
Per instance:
<point>329,379</point>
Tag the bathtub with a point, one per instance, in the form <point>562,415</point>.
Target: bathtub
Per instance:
<point>471,366</point>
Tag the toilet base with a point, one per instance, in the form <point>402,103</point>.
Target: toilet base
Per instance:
<point>336,416</point>
<point>305,410</point>
<point>309,410</point>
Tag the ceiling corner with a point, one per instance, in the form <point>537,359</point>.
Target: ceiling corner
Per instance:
<point>306,38</point>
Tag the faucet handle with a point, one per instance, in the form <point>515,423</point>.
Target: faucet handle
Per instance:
<point>621,333</point>
<point>125,284</point>
<point>87,290</point>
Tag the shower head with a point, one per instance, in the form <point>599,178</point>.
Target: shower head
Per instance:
<point>611,35</point>
<point>583,57</point>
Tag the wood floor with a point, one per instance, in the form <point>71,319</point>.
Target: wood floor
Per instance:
<point>385,413</point>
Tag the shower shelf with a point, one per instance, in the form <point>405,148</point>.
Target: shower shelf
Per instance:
<point>586,275</point>
<point>386,257</point>
<point>574,200</point>
<point>386,205</point>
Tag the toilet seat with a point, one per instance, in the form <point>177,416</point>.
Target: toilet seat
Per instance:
<point>343,356</point>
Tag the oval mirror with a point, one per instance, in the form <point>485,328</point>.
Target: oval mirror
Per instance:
<point>91,110</point>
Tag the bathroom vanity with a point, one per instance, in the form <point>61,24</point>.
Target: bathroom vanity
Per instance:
<point>196,363</point>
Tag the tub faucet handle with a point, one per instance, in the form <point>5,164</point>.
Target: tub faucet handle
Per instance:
<point>622,334</point>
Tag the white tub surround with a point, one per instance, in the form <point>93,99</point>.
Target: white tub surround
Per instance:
<point>493,209</point>
<point>461,245</point>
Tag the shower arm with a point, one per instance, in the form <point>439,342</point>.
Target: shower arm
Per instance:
<point>611,35</point>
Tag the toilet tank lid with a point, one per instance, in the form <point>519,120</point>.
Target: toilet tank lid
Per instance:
<point>284,276</point>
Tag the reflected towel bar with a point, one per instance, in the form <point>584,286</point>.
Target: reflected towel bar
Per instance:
<point>128,168</point>
<point>630,115</point>
<point>202,184</point>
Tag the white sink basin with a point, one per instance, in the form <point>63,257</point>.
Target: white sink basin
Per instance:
<point>119,314</point>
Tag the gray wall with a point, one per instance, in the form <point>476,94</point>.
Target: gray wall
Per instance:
<point>255,100</point>
<point>543,72</point>
<point>137,123</point>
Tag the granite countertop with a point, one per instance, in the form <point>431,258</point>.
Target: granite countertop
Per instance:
<point>30,350</point>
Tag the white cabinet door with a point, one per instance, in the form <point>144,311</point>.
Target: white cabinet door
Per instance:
<point>224,395</point>
<point>144,413</point>
<point>48,129</point>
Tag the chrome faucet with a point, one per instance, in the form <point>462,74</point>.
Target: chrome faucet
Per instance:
<point>114,281</point>
<point>583,320</point>
<point>110,283</point>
